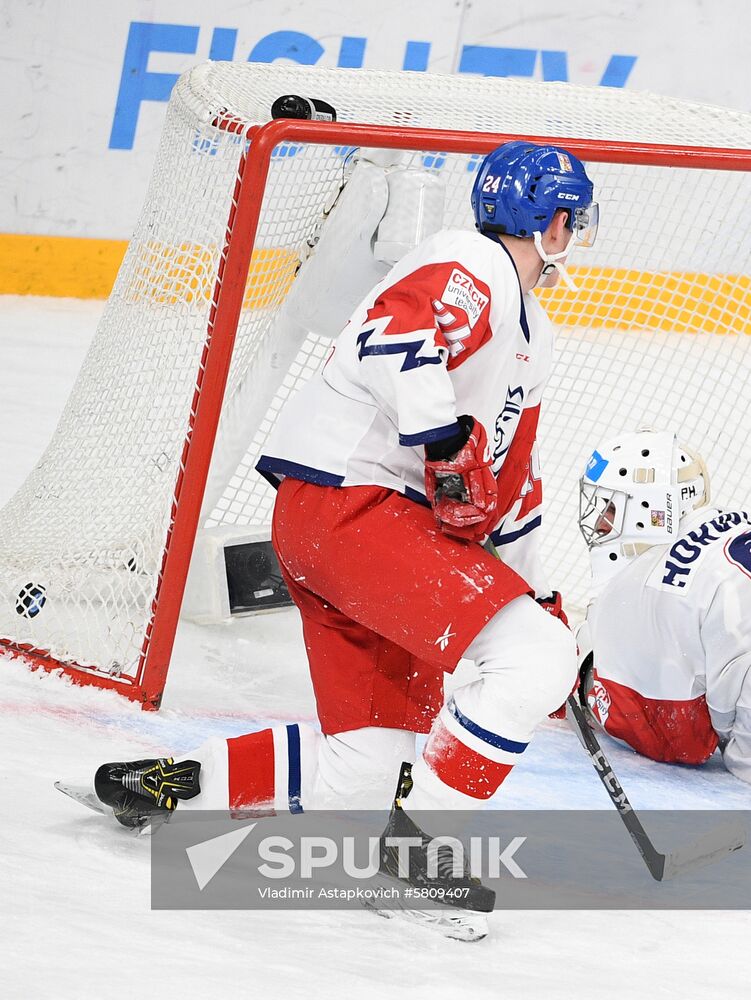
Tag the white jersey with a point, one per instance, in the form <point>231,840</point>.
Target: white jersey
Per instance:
<point>446,332</point>
<point>671,636</point>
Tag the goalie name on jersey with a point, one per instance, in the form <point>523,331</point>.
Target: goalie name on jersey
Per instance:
<point>683,555</point>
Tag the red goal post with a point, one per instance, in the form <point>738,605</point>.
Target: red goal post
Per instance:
<point>145,681</point>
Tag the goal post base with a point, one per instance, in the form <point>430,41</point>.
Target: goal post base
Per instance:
<point>79,676</point>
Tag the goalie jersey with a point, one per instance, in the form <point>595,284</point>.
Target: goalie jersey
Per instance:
<point>671,636</point>
<point>446,332</point>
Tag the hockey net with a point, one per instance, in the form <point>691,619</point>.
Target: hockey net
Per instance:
<point>96,544</point>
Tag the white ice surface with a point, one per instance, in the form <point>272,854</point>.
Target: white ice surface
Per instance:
<point>75,917</point>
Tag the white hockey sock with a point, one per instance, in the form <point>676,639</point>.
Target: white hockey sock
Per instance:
<point>294,767</point>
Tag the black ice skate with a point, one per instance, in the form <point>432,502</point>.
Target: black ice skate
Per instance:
<point>139,789</point>
<point>464,897</point>
<point>472,894</point>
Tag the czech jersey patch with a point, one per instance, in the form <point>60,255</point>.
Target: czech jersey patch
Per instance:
<point>462,291</point>
<point>466,301</point>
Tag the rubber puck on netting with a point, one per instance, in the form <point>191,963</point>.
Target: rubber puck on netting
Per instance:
<point>30,600</point>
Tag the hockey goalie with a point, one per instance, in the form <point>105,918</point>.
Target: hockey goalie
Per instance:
<point>667,638</point>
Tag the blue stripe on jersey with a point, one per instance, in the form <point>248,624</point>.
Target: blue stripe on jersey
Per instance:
<point>427,437</point>
<point>294,779</point>
<point>409,348</point>
<point>267,465</point>
<point>500,742</point>
<point>274,470</point>
<point>498,539</point>
<point>522,311</point>
<point>523,320</point>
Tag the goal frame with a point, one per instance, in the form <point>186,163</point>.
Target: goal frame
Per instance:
<point>146,686</point>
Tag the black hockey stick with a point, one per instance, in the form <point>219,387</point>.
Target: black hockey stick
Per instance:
<point>708,849</point>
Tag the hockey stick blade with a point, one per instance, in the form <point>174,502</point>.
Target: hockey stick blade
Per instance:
<point>707,850</point>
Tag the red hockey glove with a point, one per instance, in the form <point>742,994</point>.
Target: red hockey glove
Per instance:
<point>462,490</point>
<point>553,604</point>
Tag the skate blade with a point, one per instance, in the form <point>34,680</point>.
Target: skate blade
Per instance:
<point>86,796</point>
<point>460,925</point>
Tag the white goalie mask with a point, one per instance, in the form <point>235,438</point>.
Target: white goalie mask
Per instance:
<point>633,493</point>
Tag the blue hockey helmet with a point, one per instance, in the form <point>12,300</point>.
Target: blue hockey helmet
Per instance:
<point>519,186</point>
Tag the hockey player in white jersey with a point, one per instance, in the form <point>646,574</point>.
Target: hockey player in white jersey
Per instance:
<point>413,446</point>
<point>667,637</point>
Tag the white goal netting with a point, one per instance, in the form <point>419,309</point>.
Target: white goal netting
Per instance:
<point>658,334</point>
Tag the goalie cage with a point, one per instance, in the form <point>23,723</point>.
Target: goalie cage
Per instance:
<point>95,546</point>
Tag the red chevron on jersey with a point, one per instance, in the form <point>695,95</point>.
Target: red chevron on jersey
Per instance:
<point>444,298</point>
